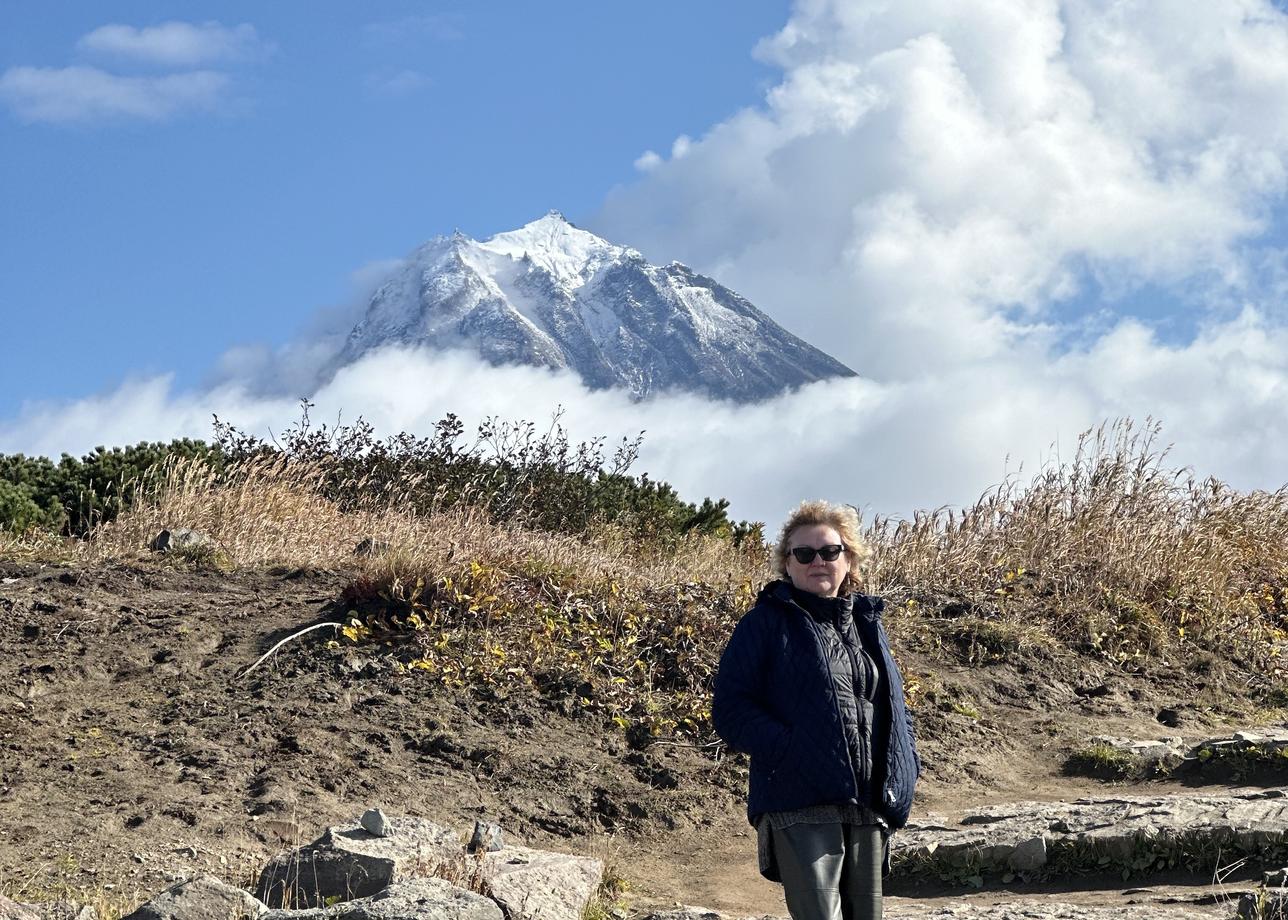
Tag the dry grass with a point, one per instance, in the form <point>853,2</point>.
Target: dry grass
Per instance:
<point>1112,549</point>
<point>58,880</point>
<point>270,512</point>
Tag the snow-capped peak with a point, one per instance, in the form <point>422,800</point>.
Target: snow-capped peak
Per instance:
<point>568,253</point>
<point>554,295</point>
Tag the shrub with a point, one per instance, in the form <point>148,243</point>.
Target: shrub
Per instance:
<point>76,494</point>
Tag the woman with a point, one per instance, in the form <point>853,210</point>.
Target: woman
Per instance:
<point>807,686</point>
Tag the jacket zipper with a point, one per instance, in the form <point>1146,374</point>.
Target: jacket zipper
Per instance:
<point>836,699</point>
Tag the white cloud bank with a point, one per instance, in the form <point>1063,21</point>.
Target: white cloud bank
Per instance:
<point>888,447</point>
<point>932,193</point>
<point>80,93</point>
<point>935,193</point>
<point>76,94</point>
<point>175,43</point>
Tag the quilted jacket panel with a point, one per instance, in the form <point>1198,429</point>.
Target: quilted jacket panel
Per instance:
<point>775,700</point>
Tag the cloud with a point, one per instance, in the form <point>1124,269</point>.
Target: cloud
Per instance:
<point>72,94</point>
<point>936,177</point>
<point>176,44</point>
<point>300,366</point>
<point>431,26</point>
<point>82,93</point>
<point>648,161</point>
<point>887,447</point>
<point>398,82</point>
<point>963,201</point>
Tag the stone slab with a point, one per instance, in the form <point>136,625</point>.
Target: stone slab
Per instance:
<point>418,899</point>
<point>1011,911</point>
<point>539,885</point>
<point>1128,834</point>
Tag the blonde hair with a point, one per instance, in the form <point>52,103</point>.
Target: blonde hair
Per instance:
<point>841,518</point>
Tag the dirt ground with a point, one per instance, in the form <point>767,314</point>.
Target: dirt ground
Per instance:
<point>132,752</point>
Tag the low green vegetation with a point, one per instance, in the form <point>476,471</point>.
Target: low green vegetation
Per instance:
<point>1242,762</point>
<point>75,494</point>
<point>1104,761</point>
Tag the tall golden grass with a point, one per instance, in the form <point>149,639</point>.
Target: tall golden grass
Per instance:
<point>267,511</point>
<point>1112,547</point>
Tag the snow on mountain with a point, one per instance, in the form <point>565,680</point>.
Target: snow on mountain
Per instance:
<point>554,295</point>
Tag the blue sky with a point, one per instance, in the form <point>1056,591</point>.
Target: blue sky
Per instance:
<point>346,133</point>
<point>1017,220</point>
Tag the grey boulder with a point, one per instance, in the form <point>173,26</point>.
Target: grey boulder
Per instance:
<point>374,821</point>
<point>487,836</point>
<point>65,910</point>
<point>201,898</point>
<point>418,899</point>
<point>347,863</point>
<point>168,541</point>
<point>12,910</point>
<point>539,885</point>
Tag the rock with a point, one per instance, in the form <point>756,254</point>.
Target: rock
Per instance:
<point>201,898</point>
<point>370,547</point>
<point>486,837</point>
<point>1266,904</point>
<point>1029,855</point>
<point>1099,834</point>
<point>65,910</point>
<point>12,910</point>
<point>539,885</point>
<point>373,821</point>
<point>346,863</point>
<point>1042,910</point>
<point>1016,910</point>
<point>685,913</point>
<point>417,899</point>
<point>168,541</point>
<point>1153,755</point>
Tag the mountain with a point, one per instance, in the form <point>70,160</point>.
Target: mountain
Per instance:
<point>554,295</point>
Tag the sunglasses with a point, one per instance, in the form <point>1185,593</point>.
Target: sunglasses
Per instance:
<point>805,554</point>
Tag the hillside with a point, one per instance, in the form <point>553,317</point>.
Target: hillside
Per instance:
<point>132,752</point>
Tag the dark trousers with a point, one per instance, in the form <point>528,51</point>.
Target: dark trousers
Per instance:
<point>831,871</point>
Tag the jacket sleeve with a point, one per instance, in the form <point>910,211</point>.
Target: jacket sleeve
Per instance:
<point>738,711</point>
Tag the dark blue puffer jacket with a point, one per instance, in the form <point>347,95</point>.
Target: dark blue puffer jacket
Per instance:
<point>775,700</point>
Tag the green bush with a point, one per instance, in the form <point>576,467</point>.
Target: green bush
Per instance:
<point>511,470</point>
<point>75,494</point>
